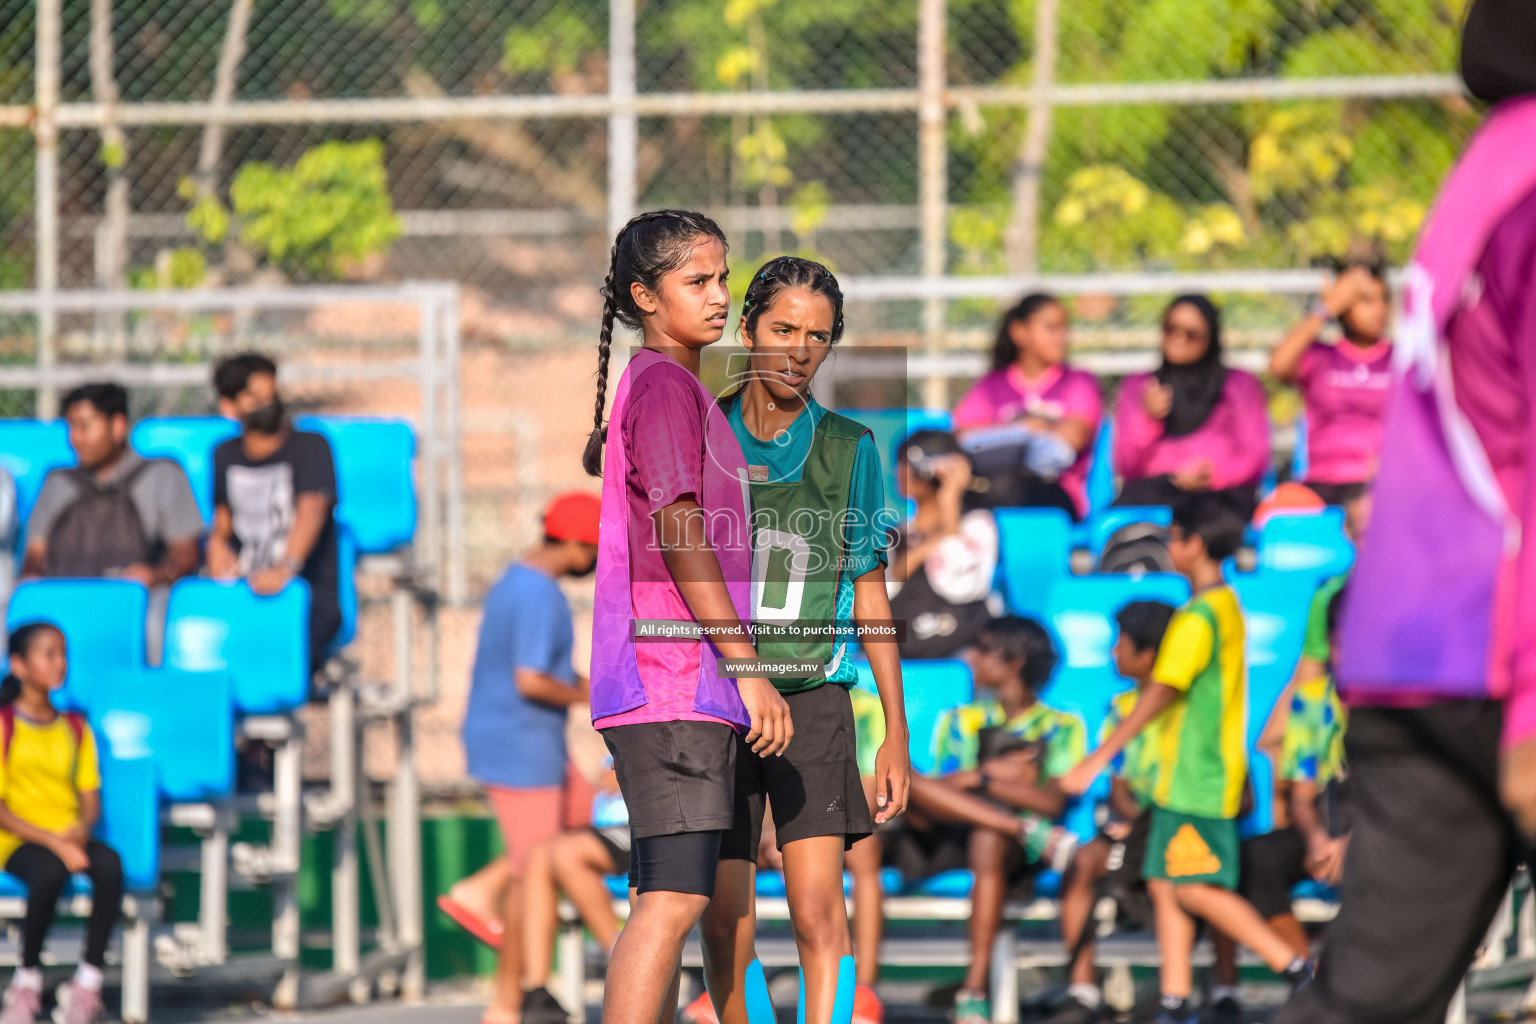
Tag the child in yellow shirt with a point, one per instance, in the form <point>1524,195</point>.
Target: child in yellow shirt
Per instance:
<point>50,799</point>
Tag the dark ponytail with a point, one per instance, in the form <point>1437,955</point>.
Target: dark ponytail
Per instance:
<point>19,646</point>
<point>1004,351</point>
<point>783,272</point>
<point>646,249</point>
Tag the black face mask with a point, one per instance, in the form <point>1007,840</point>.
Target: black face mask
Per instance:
<point>266,420</point>
<point>588,571</point>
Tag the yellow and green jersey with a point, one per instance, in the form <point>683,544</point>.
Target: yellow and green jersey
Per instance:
<point>1137,763</point>
<point>957,736</point>
<point>868,727</point>
<point>1202,750</point>
<point>1313,748</point>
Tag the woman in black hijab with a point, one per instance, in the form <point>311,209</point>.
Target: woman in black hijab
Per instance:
<point>1194,425</point>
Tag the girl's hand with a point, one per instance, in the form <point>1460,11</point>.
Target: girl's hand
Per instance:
<point>1157,400</point>
<point>1347,289</point>
<point>769,713</point>
<point>71,853</point>
<point>1079,778</point>
<point>77,834</point>
<point>893,778</point>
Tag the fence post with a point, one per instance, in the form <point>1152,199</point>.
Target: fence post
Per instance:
<point>1022,242</point>
<point>623,124</point>
<point>932,176</point>
<point>46,196</point>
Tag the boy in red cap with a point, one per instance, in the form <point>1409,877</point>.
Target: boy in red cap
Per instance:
<point>514,727</point>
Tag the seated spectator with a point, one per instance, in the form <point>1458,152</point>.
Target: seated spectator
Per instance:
<point>1344,385</point>
<point>1031,422</point>
<point>1142,625</point>
<point>575,865</point>
<point>863,863</point>
<point>274,498</point>
<point>943,558</point>
<point>514,726</point>
<point>114,513</point>
<point>995,806</point>
<point>1193,425</point>
<point>50,800</point>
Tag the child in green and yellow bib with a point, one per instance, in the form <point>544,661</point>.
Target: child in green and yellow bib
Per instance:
<point>1199,686</point>
<point>818,538</point>
<point>50,800</point>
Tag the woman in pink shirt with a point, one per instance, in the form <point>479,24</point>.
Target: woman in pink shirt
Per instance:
<point>1193,425</point>
<point>1344,386</point>
<point>1029,424</point>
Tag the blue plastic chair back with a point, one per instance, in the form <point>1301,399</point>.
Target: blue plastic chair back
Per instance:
<point>1035,551</point>
<point>1299,460</point>
<point>1313,543</point>
<point>890,428</point>
<point>1275,608</point>
<point>346,565</point>
<point>190,441</point>
<point>28,450</point>
<point>375,477</point>
<point>1101,472</point>
<point>930,688</point>
<point>103,624</point>
<point>184,720</point>
<point>262,642</point>
<point>1103,524</point>
<point>130,819</point>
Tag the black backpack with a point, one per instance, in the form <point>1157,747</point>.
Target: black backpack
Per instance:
<point>1137,548</point>
<point>100,530</point>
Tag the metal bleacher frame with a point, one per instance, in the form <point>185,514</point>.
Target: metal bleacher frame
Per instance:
<point>417,568</point>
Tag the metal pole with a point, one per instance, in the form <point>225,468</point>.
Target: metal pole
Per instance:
<point>429,548</point>
<point>405,858</point>
<point>345,894</point>
<point>46,193</point>
<point>932,186</point>
<point>1023,238</point>
<point>623,123</point>
<point>453,432</point>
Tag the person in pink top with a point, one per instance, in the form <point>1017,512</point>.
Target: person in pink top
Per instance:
<point>1344,385</point>
<point>671,599</point>
<point>1193,425</point>
<point>1054,408</point>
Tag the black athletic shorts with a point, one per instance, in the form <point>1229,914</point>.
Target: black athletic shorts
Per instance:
<point>814,788</point>
<point>919,853</point>
<point>676,777</point>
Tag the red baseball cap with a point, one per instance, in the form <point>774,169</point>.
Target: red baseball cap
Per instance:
<point>573,516</point>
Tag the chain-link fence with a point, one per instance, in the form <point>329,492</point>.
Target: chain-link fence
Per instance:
<point>941,155</point>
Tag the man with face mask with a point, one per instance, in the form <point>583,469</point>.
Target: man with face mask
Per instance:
<point>274,496</point>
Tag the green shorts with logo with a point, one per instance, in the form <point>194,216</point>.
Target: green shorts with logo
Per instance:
<point>1186,849</point>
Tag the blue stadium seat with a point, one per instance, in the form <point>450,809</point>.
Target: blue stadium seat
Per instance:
<point>185,721</point>
<point>103,624</point>
<point>28,450</point>
<point>1299,454</point>
<point>1082,616</point>
<point>375,477</point>
<point>1102,525</point>
<point>1275,608</point>
<point>1312,543</point>
<point>931,688</point>
<point>1101,472</point>
<point>190,441</point>
<point>1035,550</point>
<point>890,428</point>
<point>262,642</point>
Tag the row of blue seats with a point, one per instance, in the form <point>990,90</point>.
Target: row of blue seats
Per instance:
<point>376,499</point>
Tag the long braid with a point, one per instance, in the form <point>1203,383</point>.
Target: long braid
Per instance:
<point>592,458</point>
<point>662,244</point>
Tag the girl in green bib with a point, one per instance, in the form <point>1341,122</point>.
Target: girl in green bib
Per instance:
<point>818,571</point>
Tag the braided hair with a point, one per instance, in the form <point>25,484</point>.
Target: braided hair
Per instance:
<point>785,272</point>
<point>649,247</point>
